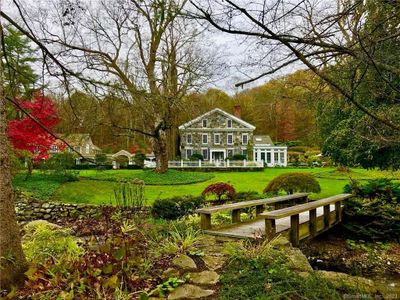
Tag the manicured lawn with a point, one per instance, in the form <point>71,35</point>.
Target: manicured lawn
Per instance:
<point>95,191</point>
<point>97,187</point>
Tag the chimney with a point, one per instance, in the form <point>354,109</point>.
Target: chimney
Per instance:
<point>237,111</point>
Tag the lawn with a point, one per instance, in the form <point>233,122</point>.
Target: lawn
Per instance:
<point>97,187</point>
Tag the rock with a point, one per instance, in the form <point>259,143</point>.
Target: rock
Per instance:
<point>46,205</point>
<point>341,279</point>
<point>214,262</point>
<point>184,262</point>
<point>280,242</point>
<point>205,277</point>
<point>36,223</point>
<point>170,272</point>
<point>189,291</point>
<point>297,261</point>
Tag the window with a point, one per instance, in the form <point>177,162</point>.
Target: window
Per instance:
<point>263,156</point>
<point>204,138</point>
<point>245,138</point>
<point>276,157</point>
<point>204,123</point>
<point>229,123</point>
<point>282,157</point>
<point>217,138</point>
<point>269,157</point>
<point>87,148</point>
<point>244,152</point>
<point>204,152</point>
<point>189,138</point>
<point>230,153</point>
<point>229,139</point>
<point>54,148</point>
<point>188,153</point>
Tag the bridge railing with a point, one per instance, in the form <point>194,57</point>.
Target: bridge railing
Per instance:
<point>294,213</point>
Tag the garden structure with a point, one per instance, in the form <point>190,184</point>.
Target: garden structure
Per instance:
<point>299,221</point>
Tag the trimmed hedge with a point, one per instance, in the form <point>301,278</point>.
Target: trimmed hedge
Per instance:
<point>176,207</point>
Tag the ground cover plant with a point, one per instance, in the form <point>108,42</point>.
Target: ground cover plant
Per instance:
<point>293,182</point>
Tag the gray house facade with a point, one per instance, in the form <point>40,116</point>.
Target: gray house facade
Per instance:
<point>218,135</point>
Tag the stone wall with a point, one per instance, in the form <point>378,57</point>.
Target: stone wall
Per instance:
<point>28,209</point>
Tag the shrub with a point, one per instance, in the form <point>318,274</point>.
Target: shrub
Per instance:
<point>246,196</point>
<point>197,156</point>
<point>176,207</point>
<point>101,158</point>
<point>381,188</point>
<point>293,182</point>
<point>139,159</point>
<point>43,242</point>
<point>61,164</point>
<point>372,220</point>
<point>237,157</point>
<point>219,190</point>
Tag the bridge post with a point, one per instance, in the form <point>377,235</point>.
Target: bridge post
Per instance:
<point>327,216</point>
<point>205,221</point>
<point>338,211</point>
<point>270,228</point>
<point>313,222</point>
<point>236,216</point>
<point>294,230</point>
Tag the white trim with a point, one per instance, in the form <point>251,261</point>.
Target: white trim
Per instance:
<point>202,140</point>
<point>219,138</point>
<point>240,121</point>
<point>247,135</point>
<point>217,150</point>
<point>227,138</point>
<point>202,123</point>
<point>227,122</point>
<point>187,138</point>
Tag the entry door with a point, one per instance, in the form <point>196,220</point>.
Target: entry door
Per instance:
<point>217,156</point>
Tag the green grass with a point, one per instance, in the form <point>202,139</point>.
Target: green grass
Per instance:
<point>38,185</point>
<point>98,192</point>
<point>358,174</point>
<point>175,183</point>
<point>172,177</point>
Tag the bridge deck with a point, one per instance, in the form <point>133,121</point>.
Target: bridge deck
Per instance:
<point>256,227</point>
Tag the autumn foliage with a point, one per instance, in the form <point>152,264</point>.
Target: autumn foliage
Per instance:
<point>26,134</point>
<point>293,182</point>
<point>219,190</point>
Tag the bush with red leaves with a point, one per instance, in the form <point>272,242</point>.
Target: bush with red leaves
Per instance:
<point>219,190</point>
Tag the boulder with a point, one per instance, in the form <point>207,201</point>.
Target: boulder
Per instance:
<point>297,261</point>
<point>189,291</point>
<point>341,279</point>
<point>214,262</point>
<point>205,277</point>
<point>184,262</point>
<point>170,272</point>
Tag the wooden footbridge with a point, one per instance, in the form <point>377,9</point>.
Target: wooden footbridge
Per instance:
<point>292,215</point>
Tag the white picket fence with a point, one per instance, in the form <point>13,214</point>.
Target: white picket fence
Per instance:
<point>181,164</point>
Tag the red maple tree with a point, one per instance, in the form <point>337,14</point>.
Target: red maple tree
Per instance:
<point>26,134</point>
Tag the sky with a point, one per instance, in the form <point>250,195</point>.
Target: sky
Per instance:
<point>234,54</point>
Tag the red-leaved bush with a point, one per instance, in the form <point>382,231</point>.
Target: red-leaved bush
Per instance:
<point>219,190</point>
<point>25,134</point>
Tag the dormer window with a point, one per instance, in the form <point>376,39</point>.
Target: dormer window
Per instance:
<point>245,138</point>
<point>204,123</point>
<point>229,123</point>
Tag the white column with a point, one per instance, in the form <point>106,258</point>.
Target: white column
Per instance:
<point>285,157</point>
<point>272,156</point>
<point>228,164</point>
<point>244,163</point>
<point>181,163</point>
<point>199,163</point>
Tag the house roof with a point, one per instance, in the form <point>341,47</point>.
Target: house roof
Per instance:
<point>262,140</point>
<point>244,123</point>
<point>76,139</point>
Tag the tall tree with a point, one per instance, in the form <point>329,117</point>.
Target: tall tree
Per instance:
<point>12,259</point>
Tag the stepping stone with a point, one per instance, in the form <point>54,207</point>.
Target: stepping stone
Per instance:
<point>205,277</point>
<point>214,262</point>
<point>184,262</point>
<point>189,291</point>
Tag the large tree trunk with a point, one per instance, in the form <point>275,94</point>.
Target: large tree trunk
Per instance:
<point>159,145</point>
<point>12,260</point>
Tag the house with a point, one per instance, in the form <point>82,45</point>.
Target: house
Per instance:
<point>218,135</point>
<point>80,142</point>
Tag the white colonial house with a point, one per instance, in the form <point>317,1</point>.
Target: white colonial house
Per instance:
<point>218,136</point>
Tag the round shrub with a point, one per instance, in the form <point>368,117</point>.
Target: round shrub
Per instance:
<point>219,190</point>
<point>293,182</point>
<point>197,156</point>
<point>176,207</point>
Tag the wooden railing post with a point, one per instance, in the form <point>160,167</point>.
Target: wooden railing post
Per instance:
<point>313,222</point>
<point>205,221</point>
<point>338,211</point>
<point>327,216</point>
<point>294,230</point>
<point>236,216</point>
<point>270,228</point>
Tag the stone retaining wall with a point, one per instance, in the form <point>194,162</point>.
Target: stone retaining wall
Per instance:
<point>28,209</point>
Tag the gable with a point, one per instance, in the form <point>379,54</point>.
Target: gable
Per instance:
<point>217,118</point>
